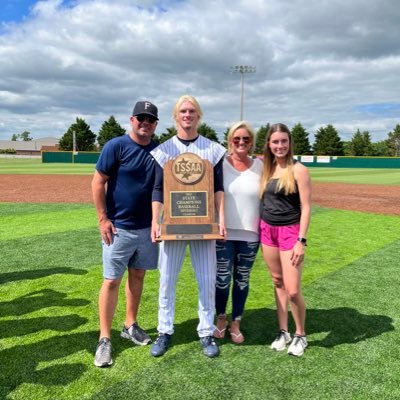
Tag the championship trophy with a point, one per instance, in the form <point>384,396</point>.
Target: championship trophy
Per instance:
<point>189,208</point>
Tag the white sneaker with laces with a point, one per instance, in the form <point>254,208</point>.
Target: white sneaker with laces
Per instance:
<point>298,345</point>
<point>282,339</point>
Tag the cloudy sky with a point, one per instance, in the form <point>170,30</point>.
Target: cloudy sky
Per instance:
<point>317,62</point>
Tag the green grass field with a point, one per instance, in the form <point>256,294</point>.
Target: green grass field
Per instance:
<point>50,274</point>
<point>385,176</point>
<point>380,176</point>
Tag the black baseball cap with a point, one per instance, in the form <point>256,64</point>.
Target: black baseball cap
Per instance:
<point>145,107</point>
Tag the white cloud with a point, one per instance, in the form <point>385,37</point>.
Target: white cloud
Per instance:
<point>317,63</point>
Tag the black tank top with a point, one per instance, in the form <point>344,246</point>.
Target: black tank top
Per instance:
<point>279,209</point>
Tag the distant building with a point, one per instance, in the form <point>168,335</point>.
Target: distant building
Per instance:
<point>32,147</point>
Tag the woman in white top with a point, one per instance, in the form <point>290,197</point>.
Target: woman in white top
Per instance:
<point>236,255</point>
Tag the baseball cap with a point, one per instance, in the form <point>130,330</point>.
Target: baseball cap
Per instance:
<point>145,107</point>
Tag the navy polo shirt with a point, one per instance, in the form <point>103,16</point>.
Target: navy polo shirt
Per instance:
<point>131,171</point>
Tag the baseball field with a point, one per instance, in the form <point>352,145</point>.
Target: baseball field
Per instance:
<point>50,274</point>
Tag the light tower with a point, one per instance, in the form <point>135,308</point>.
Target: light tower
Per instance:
<point>242,69</point>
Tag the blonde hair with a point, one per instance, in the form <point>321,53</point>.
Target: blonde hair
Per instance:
<point>286,182</point>
<point>190,99</point>
<point>234,128</point>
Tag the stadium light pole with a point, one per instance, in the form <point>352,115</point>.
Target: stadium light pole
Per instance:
<point>73,146</point>
<point>242,70</point>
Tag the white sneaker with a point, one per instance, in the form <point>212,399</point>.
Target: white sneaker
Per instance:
<point>282,339</point>
<point>298,346</point>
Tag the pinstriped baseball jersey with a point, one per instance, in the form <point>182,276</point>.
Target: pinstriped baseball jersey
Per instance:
<point>202,252</point>
<point>203,147</point>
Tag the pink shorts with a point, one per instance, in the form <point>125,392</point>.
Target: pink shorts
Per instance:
<point>283,237</point>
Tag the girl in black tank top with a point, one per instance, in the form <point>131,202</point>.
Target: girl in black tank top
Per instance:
<point>285,215</point>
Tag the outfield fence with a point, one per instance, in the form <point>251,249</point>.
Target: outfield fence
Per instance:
<point>79,157</point>
<point>350,162</point>
<point>86,157</point>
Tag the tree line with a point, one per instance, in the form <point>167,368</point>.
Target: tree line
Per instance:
<point>327,140</point>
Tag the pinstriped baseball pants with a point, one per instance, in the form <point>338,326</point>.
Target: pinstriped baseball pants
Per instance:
<point>203,256</point>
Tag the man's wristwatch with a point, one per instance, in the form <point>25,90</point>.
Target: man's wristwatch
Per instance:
<point>303,241</point>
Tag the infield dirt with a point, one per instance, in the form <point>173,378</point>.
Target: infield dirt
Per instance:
<point>76,189</point>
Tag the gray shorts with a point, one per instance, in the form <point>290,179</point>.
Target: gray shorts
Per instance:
<point>130,248</point>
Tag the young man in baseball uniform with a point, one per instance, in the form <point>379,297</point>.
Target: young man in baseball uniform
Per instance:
<point>187,114</point>
<point>122,188</point>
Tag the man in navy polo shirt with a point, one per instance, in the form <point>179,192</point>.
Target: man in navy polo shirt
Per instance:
<point>122,186</point>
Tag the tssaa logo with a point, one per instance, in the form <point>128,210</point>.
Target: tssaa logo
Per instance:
<point>188,168</point>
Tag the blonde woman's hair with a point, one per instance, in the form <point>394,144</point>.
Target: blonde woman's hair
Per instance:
<point>190,99</point>
<point>234,128</point>
<point>286,182</point>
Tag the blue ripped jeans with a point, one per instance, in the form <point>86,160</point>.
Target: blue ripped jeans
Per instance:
<point>234,261</point>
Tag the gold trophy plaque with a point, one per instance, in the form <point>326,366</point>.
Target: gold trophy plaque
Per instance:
<point>189,208</point>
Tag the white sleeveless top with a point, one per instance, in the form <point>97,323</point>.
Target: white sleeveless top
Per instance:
<point>242,201</point>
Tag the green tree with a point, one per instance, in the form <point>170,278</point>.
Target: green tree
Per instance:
<point>380,149</point>
<point>225,136</point>
<point>393,142</point>
<point>110,129</point>
<point>171,131</point>
<point>25,136</point>
<point>261,136</point>
<point>347,148</point>
<point>300,139</point>
<point>85,138</point>
<point>8,151</point>
<point>357,144</point>
<point>207,132</point>
<point>327,142</point>
<point>360,144</point>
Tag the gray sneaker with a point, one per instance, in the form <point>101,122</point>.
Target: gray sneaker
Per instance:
<point>102,358</point>
<point>298,346</point>
<point>136,334</point>
<point>282,339</point>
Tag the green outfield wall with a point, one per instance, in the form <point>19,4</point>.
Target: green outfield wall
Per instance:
<point>349,162</point>
<point>86,157</point>
<point>79,157</point>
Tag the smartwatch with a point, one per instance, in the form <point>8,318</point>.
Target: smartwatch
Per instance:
<point>302,241</point>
